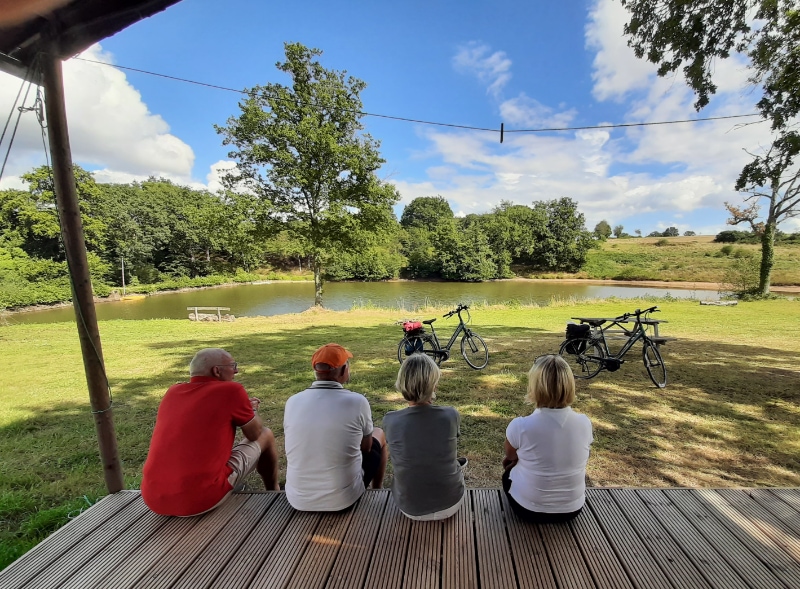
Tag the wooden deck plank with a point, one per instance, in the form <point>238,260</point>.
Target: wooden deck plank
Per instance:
<point>716,570</point>
<point>320,554</point>
<point>772,526</point>
<point>527,549</point>
<point>672,560</point>
<point>495,565</point>
<point>789,496</point>
<point>759,543</point>
<point>568,569</point>
<point>172,564</point>
<point>351,566</point>
<point>631,550</point>
<point>458,549</point>
<point>424,556</point>
<point>278,569</point>
<point>659,538</point>
<point>74,558</point>
<point>44,554</point>
<point>255,549</point>
<point>598,552</point>
<point>737,554</point>
<point>780,509</point>
<point>217,554</point>
<point>115,553</point>
<point>132,567</point>
<point>389,557</point>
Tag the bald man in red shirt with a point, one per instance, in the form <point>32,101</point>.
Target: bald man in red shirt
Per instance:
<point>193,464</point>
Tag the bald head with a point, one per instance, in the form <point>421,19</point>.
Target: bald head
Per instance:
<point>206,359</point>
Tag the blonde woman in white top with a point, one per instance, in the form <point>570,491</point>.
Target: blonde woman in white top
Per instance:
<point>546,452</point>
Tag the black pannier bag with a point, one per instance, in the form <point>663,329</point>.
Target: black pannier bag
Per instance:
<point>577,332</point>
<point>413,345</point>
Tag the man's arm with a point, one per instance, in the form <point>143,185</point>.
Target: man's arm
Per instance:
<point>366,443</point>
<point>253,428</point>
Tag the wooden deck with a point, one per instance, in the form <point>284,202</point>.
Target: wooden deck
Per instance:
<point>645,538</point>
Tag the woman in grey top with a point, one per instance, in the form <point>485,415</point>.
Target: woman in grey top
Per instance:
<point>428,482</point>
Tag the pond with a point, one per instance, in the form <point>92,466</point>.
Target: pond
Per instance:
<point>277,298</point>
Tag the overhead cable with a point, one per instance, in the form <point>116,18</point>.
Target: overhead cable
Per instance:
<point>434,123</point>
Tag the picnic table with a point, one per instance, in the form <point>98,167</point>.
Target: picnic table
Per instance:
<point>599,321</point>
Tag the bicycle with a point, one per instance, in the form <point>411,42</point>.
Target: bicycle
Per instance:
<point>588,353</point>
<point>473,348</point>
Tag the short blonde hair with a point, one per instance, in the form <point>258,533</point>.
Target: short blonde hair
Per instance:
<point>551,383</point>
<point>417,379</point>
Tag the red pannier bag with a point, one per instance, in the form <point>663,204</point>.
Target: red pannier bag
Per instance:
<point>411,325</point>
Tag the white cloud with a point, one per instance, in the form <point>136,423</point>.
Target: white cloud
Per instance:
<point>529,112</point>
<point>492,69</point>
<point>616,69</point>
<point>110,126</point>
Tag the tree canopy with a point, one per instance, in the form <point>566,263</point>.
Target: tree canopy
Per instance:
<point>692,35</point>
<point>301,151</point>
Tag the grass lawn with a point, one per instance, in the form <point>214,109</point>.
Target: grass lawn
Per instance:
<point>728,417</point>
<point>682,259</point>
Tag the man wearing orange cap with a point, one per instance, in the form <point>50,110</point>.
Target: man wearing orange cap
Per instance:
<point>332,450</point>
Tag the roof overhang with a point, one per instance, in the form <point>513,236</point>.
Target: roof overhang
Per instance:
<point>63,27</point>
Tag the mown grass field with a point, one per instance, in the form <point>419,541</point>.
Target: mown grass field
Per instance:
<point>730,415</point>
<point>682,259</point>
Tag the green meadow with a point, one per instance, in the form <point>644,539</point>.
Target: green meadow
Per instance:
<point>679,259</point>
<point>730,415</point>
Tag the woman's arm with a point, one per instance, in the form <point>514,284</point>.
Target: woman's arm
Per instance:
<point>511,457</point>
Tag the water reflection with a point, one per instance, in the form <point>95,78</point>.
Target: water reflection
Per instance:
<point>292,297</point>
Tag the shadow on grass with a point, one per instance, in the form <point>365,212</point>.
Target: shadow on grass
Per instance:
<point>729,415</point>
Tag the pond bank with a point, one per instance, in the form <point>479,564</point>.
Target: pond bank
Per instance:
<point>661,285</point>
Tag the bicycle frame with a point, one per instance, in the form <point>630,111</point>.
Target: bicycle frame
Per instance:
<point>461,327</point>
<point>636,334</point>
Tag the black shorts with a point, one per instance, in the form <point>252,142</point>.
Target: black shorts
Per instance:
<point>534,517</point>
<point>371,462</point>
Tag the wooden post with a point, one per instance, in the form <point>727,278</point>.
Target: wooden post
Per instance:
<point>75,248</point>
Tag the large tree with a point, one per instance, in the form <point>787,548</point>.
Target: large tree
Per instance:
<point>301,151</point>
<point>693,35</point>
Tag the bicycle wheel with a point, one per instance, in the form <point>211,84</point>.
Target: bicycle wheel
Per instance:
<point>584,356</point>
<point>654,364</point>
<point>414,344</point>
<point>474,350</point>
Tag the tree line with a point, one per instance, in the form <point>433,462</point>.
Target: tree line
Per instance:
<point>160,231</point>
<point>603,231</point>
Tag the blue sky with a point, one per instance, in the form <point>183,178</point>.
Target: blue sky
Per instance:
<point>529,65</point>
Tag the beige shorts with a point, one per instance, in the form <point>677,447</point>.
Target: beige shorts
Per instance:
<point>243,460</point>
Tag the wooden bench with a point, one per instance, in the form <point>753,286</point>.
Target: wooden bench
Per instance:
<point>217,309</point>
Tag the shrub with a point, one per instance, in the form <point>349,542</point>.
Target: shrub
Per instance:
<point>726,250</point>
<point>662,242</point>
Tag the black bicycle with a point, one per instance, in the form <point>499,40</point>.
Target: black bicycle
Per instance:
<point>473,348</point>
<point>586,348</point>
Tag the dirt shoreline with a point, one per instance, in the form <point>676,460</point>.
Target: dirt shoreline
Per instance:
<point>655,283</point>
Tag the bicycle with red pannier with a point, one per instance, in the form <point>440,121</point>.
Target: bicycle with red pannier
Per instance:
<point>416,340</point>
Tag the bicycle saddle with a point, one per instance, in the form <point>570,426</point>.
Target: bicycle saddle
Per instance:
<point>429,321</point>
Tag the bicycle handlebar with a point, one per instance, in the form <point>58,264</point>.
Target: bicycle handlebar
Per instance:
<point>637,313</point>
<point>456,310</point>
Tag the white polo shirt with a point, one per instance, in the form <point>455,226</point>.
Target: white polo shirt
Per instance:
<point>323,427</point>
<point>553,449</point>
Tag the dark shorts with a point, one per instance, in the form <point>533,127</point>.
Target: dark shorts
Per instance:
<point>534,517</point>
<point>371,462</point>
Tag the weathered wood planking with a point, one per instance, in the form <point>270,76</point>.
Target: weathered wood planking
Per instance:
<point>623,539</point>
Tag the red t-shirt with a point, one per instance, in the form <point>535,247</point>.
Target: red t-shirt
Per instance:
<point>186,470</point>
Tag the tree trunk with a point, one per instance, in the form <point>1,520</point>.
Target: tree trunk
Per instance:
<point>317,281</point>
<point>767,257</point>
